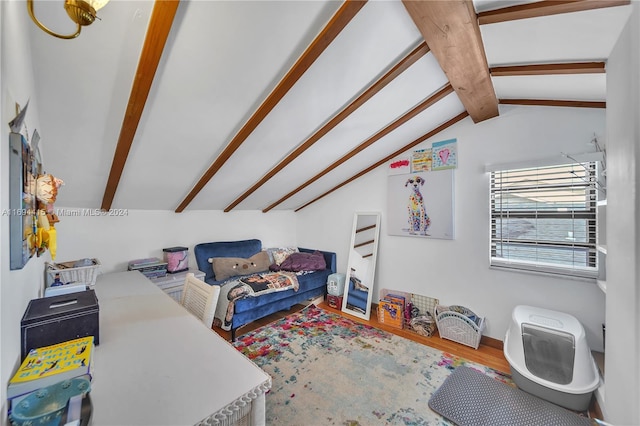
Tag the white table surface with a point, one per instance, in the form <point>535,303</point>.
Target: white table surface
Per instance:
<point>159,365</point>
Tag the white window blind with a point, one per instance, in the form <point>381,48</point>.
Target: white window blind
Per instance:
<point>544,219</point>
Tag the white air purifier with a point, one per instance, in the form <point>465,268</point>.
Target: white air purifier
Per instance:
<point>335,284</point>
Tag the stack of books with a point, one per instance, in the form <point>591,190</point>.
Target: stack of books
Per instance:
<point>49,365</point>
<point>151,267</point>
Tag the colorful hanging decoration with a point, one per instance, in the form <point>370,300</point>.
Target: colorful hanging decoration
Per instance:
<point>47,187</point>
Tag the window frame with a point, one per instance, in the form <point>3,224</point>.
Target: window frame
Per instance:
<point>588,248</point>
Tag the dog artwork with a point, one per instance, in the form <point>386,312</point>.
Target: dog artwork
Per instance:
<point>417,213</point>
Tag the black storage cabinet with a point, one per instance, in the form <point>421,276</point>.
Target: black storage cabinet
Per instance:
<point>51,320</point>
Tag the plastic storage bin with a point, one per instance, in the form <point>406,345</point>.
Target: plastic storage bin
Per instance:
<point>459,324</point>
<point>177,259</point>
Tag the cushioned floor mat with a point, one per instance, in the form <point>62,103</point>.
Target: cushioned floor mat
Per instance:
<point>469,398</point>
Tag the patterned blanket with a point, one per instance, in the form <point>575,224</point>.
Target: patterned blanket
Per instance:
<point>250,286</point>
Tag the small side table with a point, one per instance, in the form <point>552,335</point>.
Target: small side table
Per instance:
<point>172,283</point>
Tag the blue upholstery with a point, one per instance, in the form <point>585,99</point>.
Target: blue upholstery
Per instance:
<point>252,308</point>
<point>357,297</point>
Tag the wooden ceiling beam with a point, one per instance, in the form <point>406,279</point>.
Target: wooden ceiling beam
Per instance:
<point>549,69</point>
<point>160,24</point>
<point>544,8</point>
<point>446,90</point>
<point>405,148</point>
<point>554,102</point>
<point>336,24</point>
<point>451,30</point>
<point>372,90</point>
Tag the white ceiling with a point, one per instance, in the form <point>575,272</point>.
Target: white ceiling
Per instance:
<point>221,61</point>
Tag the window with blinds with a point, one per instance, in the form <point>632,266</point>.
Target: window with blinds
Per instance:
<point>544,219</point>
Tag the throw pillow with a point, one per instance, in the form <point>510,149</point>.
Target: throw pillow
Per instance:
<point>279,254</point>
<point>298,262</point>
<point>227,267</point>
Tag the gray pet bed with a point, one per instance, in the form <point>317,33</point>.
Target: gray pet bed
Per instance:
<point>469,398</point>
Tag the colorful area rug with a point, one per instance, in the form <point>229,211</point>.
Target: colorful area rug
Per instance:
<point>329,370</point>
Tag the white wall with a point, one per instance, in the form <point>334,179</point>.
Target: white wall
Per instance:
<point>16,85</point>
<point>457,272</point>
<point>115,240</point>
<point>622,366</point>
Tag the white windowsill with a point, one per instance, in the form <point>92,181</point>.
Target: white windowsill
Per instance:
<point>546,274</point>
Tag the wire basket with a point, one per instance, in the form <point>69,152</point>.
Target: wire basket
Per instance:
<point>69,274</point>
<point>423,321</point>
<point>425,304</point>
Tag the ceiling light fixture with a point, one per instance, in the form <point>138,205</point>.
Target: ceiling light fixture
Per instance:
<point>82,12</point>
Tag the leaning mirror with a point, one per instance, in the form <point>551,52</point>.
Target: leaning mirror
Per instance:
<point>361,266</point>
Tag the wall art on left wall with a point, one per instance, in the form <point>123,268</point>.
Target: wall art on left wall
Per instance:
<point>22,201</point>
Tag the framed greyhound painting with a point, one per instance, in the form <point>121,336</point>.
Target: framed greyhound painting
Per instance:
<point>421,204</point>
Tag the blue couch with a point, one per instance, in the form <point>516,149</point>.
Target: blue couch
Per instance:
<point>252,308</point>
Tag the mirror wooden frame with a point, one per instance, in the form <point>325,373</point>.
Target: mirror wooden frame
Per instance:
<point>361,267</point>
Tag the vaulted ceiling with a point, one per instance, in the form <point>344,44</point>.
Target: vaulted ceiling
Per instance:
<point>263,105</point>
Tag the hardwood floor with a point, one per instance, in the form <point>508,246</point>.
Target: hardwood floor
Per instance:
<point>489,352</point>
<point>490,356</point>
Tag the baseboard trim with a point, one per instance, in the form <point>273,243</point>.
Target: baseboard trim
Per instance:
<point>598,403</point>
<point>484,340</point>
<point>317,301</point>
<point>492,343</point>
